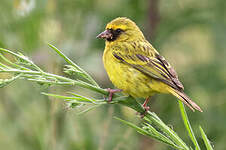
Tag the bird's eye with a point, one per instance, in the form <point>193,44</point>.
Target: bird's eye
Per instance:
<point>118,30</point>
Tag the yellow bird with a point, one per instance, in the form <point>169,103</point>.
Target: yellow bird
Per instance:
<point>135,67</point>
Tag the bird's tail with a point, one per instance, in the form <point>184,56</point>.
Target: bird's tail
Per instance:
<point>185,99</point>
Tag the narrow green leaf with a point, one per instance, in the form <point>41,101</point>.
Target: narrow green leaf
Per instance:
<point>73,64</point>
<point>88,109</point>
<point>11,63</point>
<point>188,125</point>
<point>64,57</point>
<point>205,139</point>
<point>21,56</point>
<point>77,95</point>
<point>81,99</point>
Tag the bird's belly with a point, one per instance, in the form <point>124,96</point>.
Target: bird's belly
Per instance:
<point>130,80</point>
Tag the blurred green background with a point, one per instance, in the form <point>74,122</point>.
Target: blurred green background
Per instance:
<point>191,34</point>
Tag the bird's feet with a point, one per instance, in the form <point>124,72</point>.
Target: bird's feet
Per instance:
<point>111,93</point>
<point>146,108</point>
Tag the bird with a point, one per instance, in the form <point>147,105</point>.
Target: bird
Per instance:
<point>135,67</point>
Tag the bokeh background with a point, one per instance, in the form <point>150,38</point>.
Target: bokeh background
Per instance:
<point>191,34</point>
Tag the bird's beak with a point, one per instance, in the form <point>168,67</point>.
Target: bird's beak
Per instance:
<point>105,35</point>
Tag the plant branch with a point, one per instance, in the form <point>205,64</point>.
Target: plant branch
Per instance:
<point>152,126</point>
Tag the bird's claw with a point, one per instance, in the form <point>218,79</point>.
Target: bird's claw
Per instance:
<point>146,109</point>
<point>111,92</point>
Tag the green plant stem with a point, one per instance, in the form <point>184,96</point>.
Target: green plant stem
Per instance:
<point>68,81</point>
<point>188,125</point>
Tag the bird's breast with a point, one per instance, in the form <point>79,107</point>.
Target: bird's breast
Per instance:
<point>125,77</point>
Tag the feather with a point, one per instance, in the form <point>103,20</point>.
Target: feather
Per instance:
<point>186,100</point>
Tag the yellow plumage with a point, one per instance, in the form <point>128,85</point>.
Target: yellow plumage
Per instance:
<point>135,67</point>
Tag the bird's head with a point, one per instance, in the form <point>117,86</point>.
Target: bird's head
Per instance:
<point>121,29</point>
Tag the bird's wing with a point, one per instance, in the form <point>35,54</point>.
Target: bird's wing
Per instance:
<point>151,64</point>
